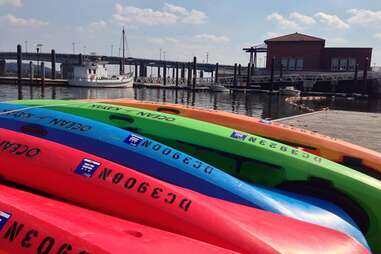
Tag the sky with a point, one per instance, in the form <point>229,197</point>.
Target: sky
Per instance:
<point>216,30</point>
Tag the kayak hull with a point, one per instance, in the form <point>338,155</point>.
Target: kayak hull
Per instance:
<point>125,193</point>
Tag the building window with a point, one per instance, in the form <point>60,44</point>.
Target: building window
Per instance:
<point>351,64</point>
<point>284,63</point>
<point>343,64</point>
<point>299,64</point>
<point>292,63</point>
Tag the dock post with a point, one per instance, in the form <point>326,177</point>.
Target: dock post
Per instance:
<point>31,72</point>
<point>80,59</point>
<point>356,77</point>
<point>248,75</point>
<point>19,66</point>
<point>121,67</point>
<point>194,72</point>
<point>31,79</point>
<point>165,74</point>
<point>173,72</point>
<point>42,80</point>
<point>272,74</point>
<point>239,70</point>
<point>183,72</point>
<point>136,72</point>
<point>365,77</point>
<point>158,72</point>
<point>53,59</point>
<point>177,75</point>
<point>189,74</point>
<point>235,76</point>
<point>216,74</point>
<point>201,74</point>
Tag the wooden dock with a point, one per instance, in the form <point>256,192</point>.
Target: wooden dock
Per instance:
<point>356,127</point>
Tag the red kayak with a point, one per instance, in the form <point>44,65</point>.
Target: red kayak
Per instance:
<point>110,188</point>
<point>34,224</point>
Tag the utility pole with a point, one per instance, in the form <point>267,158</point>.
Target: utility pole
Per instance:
<point>207,57</point>
<point>160,54</point>
<point>112,49</point>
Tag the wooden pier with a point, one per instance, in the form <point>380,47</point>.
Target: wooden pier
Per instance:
<point>356,127</point>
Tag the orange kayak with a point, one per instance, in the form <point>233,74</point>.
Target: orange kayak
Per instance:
<point>357,157</point>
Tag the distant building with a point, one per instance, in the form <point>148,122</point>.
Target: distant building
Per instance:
<point>300,52</point>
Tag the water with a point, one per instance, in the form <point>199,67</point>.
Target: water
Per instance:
<point>251,104</point>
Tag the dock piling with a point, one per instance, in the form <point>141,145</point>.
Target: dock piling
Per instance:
<point>53,59</point>
<point>165,74</point>
<point>272,74</point>
<point>194,72</point>
<point>356,78</point>
<point>177,75</point>
<point>42,80</point>
<point>158,72</point>
<point>235,76</point>
<point>19,71</point>
<point>216,74</point>
<point>365,77</point>
<point>31,79</point>
<point>248,75</point>
<point>189,74</point>
<point>136,72</point>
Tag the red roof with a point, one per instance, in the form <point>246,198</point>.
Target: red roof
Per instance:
<point>295,37</point>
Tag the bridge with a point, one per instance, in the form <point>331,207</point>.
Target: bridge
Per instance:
<point>75,59</point>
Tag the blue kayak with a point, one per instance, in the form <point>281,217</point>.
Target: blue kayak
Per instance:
<point>168,164</point>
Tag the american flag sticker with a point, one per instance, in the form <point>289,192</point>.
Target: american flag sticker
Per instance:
<point>133,140</point>
<point>4,217</point>
<point>238,135</point>
<point>87,167</point>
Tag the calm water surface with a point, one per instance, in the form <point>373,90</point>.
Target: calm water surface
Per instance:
<point>251,104</point>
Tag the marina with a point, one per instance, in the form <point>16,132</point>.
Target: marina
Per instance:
<point>190,127</point>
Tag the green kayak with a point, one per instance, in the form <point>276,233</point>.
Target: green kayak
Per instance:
<point>249,157</point>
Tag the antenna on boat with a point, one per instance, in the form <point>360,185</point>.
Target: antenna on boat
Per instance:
<point>123,59</point>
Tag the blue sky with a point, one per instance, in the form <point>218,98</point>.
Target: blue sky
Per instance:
<point>185,28</point>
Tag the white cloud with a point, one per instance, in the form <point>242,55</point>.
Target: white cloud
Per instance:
<point>283,22</point>
<point>331,21</point>
<point>17,22</point>
<point>377,36</point>
<point>162,41</point>
<point>303,19</point>
<point>338,40</point>
<point>169,14</point>
<point>195,17</point>
<point>211,38</point>
<point>270,35</point>
<point>364,17</point>
<point>175,9</point>
<point>97,25</point>
<point>15,3</point>
<point>130,14</point>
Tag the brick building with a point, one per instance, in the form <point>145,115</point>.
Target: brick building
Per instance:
<point>300,52</point>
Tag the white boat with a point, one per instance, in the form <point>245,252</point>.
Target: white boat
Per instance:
<point>289,90</point>
<point>94,74</point>
<point>219,88</point>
